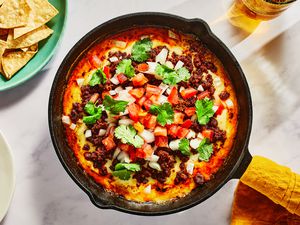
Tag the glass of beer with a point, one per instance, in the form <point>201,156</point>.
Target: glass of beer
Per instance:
<point>247,14</point>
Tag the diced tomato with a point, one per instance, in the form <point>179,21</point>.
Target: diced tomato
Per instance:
<point>139,80</point>
<point>208,134</point>
<point>220,109</point>
<point>141,100</point>
<point>109,143</point>
<point>182,132</point>
<point>121,78</point>
<point>140,153</point>
<point>187,124</point>
<point>161,141</point>
<point>138,126</point>
<point>173,97</point>
<point>154,99</point>
<point>133,110</point>
<point>137,92</point>
<point>190,111</point>
<point>148,104</point>
<point>150,121</point>
<point>178,118</point>
<point>94,60</point>
<point>143,67</point>
<point>132,154</point>
<point>106,70</point>
<point>188,93</point>
<point>105,93</point>
<point>172,130</point>
<point>142,113</point>
<point>160,131</point>
<point>152,90</point>
<point>202,95</point>
<point>125,147</point>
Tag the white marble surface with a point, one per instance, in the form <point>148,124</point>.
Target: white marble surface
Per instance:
<point>45,194</point>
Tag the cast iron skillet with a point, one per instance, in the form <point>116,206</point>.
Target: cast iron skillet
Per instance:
<point>235,164</point>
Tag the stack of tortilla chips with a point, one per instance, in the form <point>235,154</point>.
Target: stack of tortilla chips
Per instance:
<point>22,26</point>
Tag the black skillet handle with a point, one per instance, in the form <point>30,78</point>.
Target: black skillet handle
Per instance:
<point>243,165</point>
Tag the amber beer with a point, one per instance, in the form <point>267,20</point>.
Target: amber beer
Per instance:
<point>247,14</point>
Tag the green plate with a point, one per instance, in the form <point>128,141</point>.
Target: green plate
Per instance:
<point>46,49</point>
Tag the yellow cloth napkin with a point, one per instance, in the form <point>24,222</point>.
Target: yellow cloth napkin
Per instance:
<point>267,193</point>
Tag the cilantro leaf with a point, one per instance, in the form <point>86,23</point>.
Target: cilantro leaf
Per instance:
<point>205,150</point>
<point>171,76</point>
<point>128,166</point>
<point>94,113</point>
<point>184,146</point>
<point>98,77</point>
<point>125,67</point>
<point>127,134</point>
<point>114,106</point>
<point>204,110</point>
<point>141,50</point>
<point>164,112</point>
<point>122,174</point>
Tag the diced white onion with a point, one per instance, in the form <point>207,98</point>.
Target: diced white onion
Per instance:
<point>152,67</point>
<point>172,34</point>
<point>162,99</point>
<point>118,89</point>
<point>80,81</point>
<point>88,133</point>
<point>174,145</point>
<point>120,44</point>
<point>191,134</point>
<point>178,65</point>
<point>125,96</point>
<point>125,122</point>
<point>200,136</point>
<point>155,165</point>
<point>200,88</point>
<point>194,117</point>
<point>116,153</point>
<point>153,158</point>
<point>112,92</point>
<point>73,126</point>
<point>129,88</point>
<point>147,189</point>
<point>66,120</point>
<point>168,91</point>
<point>147,135</point>
<point>114,80</point>
<point>190,167</point>
<point>215,108</point>
<point>162,56</point>
<point>163,87</point>
<point>123,157</point>
<point>169,64</point>
<point>102,132</point>
<point>217,81</point>
<point>144,36</point>
<point>126,112</point>
<point>113,59</point>
<point>181,89</point>
<point>194,143</point>
<point>229,103</point>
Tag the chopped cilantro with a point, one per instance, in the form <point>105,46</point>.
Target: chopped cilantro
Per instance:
<point>204,110</point>
<point>205,150</point>
<point>122,174</point>
<point>94,113</point>
<point>128,135</point>
<point>164,112</point>
<point>114,106</point>
<point>125,67</point>
<point>98,77</point>
<point>184,146</point>
<point>171,76</point>
<point>141,50</point>
<point>128,166</point>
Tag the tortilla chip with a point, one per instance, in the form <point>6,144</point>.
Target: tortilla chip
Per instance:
<point>10,36</point>
<point>14,13</point>
<point>13,61</point>
<point>1,2</point>
<point>2,49</point>
<point>253,208</point>
<point>41,12</point>
<point>30,38</point>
